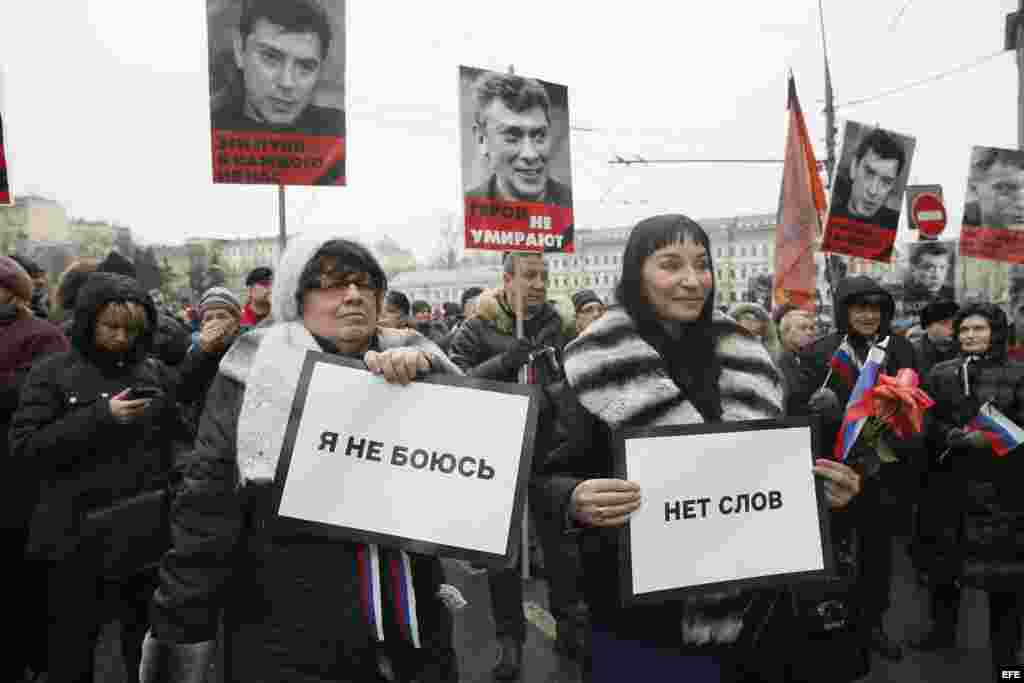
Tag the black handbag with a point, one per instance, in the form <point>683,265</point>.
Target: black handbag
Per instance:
<point>129,536</point>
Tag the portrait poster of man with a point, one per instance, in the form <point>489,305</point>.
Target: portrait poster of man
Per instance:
<point>867,195</point>
<point>277,91</point>
<point>993,223</point>
<point>516,169</point>
<point>930,274</point>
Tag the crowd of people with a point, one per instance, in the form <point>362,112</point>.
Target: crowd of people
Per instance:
<point>139,485</point>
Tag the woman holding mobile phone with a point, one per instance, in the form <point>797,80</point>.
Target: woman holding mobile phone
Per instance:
<point>97,426</point>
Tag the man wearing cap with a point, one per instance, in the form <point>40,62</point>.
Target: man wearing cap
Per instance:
<point>864,312</point>
<point>219,312</point>
<point>260,282</point>
<point>937,343</point>
<point>589,308</point>
<point>24,339</point>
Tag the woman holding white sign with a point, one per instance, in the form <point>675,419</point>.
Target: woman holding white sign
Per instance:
<point>661,357</point>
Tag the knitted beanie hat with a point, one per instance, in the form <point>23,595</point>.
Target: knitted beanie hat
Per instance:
<point>219,297</point>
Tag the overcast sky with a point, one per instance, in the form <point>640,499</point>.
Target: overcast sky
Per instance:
<point>106,105</point>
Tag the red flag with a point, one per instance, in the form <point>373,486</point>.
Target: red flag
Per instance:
<point>801,204</point>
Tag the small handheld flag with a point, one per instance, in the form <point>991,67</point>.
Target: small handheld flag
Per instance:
<point>999,430</point>
<point>855,416</point>
<point>842,364</point>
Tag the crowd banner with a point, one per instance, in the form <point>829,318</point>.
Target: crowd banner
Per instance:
<point>930,274</point>
<point>387,469</point>
<point>993,218</point>
<point>867,195</point>
<point>516,168</point>
<point>5,187</point>
<point>726,505</point>
<point>277,91</point>
<point>801,203</point>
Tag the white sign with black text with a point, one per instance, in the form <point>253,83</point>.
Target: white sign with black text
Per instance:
<point>432,462</point>
<point>723,507</point>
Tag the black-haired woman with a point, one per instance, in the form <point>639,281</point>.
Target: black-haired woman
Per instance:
<point>662,356</point>
<point>973,511</point>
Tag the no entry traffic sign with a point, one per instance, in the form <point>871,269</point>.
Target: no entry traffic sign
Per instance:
<point>929,214</point>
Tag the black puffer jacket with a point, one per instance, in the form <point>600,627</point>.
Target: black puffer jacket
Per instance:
<point>479,344</point>
<point>930,353</point>
<point>64,431</point>
<point>973,514</point>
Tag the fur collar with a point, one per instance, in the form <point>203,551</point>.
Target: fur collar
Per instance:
<point>622,379</point>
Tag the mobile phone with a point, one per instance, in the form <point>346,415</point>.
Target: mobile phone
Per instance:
<point>136,393</point>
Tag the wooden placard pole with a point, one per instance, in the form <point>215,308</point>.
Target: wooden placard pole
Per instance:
<point>524,378</point>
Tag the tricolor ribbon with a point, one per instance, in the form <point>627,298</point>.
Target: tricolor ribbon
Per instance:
<point>402,592</point>
<point>857,412</point>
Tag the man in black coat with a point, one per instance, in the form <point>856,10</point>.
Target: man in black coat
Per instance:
<point>864,313</point>
<point>936,344</point>
<point>489,349</point>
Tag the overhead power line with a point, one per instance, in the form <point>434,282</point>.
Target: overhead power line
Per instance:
<point>629,162</point>
<point>930,79</point>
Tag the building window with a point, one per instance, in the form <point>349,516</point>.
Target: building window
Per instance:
<point>732,251</point>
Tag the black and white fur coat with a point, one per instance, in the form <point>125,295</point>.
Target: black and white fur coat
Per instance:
<point>616,379</point>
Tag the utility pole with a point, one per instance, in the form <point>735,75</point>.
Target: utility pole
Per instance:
<point>830,110</point>
<point>1018,32</point>
<point>282,234</point>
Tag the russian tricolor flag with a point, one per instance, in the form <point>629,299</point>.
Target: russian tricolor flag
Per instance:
<point>1000,430</point>
<point>842,364</point>
<point>855,416</point>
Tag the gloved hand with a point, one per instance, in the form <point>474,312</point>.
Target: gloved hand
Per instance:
<point>956,438</point>
<point>977,441</point>
<point>164,662</point>
<point>824,403</point>
<point>518,355</point>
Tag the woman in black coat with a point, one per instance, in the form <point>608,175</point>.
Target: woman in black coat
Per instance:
<point>93,449</point>
<point>662,357</point>
<point>973,511</point>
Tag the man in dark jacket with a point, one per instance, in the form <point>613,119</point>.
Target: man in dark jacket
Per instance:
<point>864,312</point>
<point>936,344</point>
<point>489,349</point>
<point>972,513</point>
<point>171,339</point>
<point>797,328</point>
<point>24,341</point>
